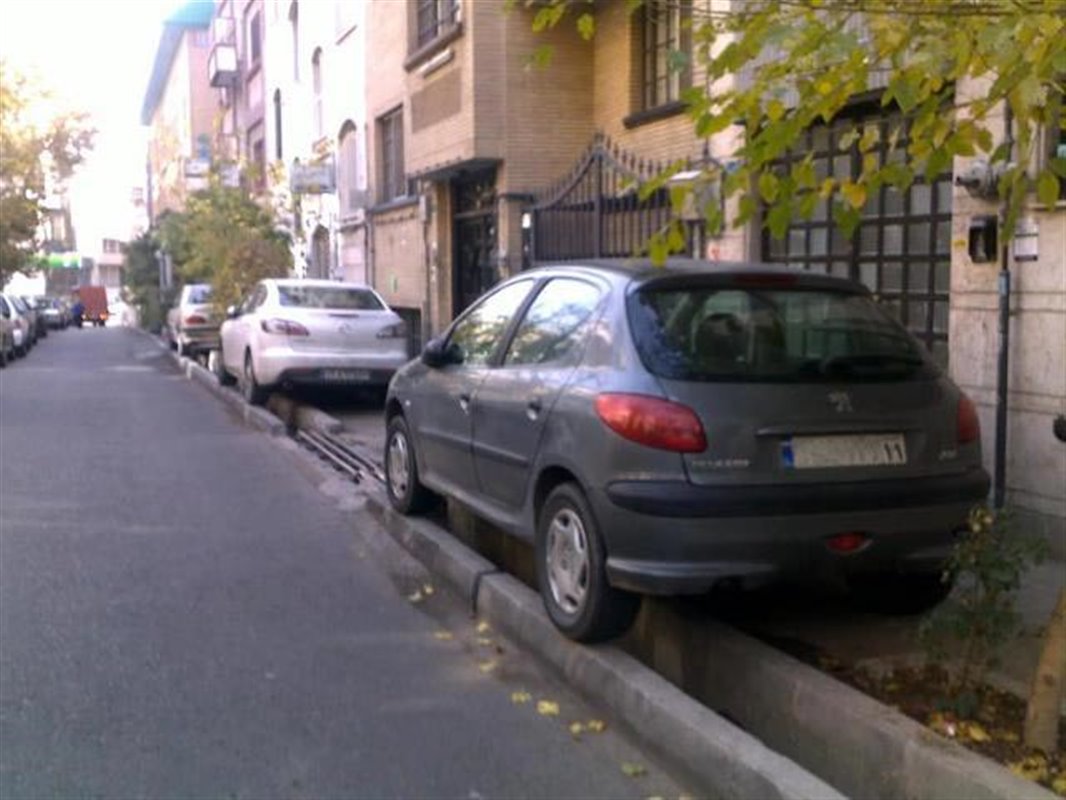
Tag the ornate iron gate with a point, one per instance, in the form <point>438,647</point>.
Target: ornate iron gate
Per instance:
<point>596,211</point>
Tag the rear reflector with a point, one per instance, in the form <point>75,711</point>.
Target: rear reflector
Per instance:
<point>969,426</point>
<point>846,542</point>
<point>284,326</point>
<point>652,421</point>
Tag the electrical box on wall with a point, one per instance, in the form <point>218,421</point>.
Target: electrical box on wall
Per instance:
<point>984,239</point>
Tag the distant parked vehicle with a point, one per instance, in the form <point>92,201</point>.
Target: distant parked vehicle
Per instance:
<point>29,315</point>
<point>40,321</point>
<point>300,332</point>
<point>53,312</point>
<point>21,328</point>
<point>656,430</point>
<point>7,332</point>
<point>192,324</point>
<point>94,304</point>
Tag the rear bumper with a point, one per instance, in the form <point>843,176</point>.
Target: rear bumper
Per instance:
<point>666,538</point>
<point>676,499</point>
<point>284,365</point>
<point>199,339</point>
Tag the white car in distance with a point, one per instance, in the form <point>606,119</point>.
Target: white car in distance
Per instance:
<point>291,332</point>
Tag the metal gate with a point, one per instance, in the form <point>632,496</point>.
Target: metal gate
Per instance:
<point>596,211</point>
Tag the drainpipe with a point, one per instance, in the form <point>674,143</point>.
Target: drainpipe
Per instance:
<point>999,481</point>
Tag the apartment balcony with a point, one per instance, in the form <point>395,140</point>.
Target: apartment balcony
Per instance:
<point>222,66</point>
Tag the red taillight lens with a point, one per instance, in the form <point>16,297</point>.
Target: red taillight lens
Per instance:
<point>652,421</point>
<point>969,426</point>
<point>846,542</point>
<point>285,327</point>
<point>196,319</point>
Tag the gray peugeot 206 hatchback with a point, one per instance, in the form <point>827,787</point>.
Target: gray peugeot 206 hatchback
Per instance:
<point>661,430</point>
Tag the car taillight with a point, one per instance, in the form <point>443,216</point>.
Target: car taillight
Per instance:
<point>196,319</point>
<point>969,426</point>
<point>284,326</point>
<point>395,331</point>
<point>652,421</point>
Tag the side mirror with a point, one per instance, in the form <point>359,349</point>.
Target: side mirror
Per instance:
<point>437,354</point>
<point>232,312</point>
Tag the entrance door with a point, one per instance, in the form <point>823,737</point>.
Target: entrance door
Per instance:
<point>474,264</point>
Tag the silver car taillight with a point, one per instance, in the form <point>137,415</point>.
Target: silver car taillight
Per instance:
<point>397,330</point>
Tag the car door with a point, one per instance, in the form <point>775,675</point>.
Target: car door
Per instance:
<point>443,397</point>
<point>237,335</point>
<point>515,398</point>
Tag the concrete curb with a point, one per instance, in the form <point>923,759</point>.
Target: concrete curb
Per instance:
<point>255,417</point>
<point>724,760</point>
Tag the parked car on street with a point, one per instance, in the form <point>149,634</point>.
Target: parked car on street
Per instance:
<point>664,430</point>
<point>7,331</point>
<point>310,332</point>
<point>29,321</point>
<point>54,312</point>
<point>192,325</point>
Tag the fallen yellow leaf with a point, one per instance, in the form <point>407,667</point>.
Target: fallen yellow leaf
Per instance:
<point>974,732</point>
<point>427,589</point>
<point>444,636</point>
<point>549,708</point>
<point>482,627</point>
<point>596,725</point>
<point>1033,768</point>
<point>1058,786</point>
<point>576,729</point>
<point>1007,736</point>
<point>521,697</point>
<point>487,666</point>
<point>415,596</point>
<point>484,641</point>
<point>633,770</point>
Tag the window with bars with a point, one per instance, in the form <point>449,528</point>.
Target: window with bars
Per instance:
<point>434,17</point>
<point>902,247</point>
<point>254,40</point>
<point>390,136</point>
<point>665,47</point>
<point>349,169</point>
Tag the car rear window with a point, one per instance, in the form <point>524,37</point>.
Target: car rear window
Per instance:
<point>730,333</point>
<point>332,297</point>
<point>200,294</point>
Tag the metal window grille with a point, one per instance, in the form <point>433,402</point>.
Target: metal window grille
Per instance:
<point>390,128</point>
<point>433,17</point>
<point>665,34</point>
<point>902,247</point>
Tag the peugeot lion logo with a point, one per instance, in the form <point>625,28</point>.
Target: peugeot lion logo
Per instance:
<point>841,402</point>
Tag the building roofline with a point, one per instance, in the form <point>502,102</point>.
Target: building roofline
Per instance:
<point>194,15</point>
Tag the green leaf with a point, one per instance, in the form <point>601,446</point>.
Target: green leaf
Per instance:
<point>1047,188</point>
<point>586,26</point>
<point>779,218</point>
<point>768,186</point>
<point>854,193</point>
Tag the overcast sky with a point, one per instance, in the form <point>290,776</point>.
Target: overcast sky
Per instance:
<point>97,55</point>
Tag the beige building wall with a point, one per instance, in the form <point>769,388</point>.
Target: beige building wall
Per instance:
<point>1036,461</point>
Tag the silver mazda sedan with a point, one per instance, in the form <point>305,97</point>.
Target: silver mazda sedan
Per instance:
<point>662,430</point>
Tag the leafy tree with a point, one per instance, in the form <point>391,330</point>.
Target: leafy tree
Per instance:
<point>225,238</point>
<point>34,149</point>
<point>141,277</point>
<point>774,68</point>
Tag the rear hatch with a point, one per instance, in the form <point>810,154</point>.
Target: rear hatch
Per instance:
<point>795,379</point>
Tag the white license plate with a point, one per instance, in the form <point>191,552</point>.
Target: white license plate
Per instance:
<point>346,375</point>
<point>866,450</point>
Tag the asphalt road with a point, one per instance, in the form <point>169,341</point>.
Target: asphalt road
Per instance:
<point>184,614</point>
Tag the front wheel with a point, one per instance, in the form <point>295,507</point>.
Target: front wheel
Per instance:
<point>900,594</point>
<point>219,368</point>
<point>571,567</point>
<point>255,394</point>
<point>407,494</point>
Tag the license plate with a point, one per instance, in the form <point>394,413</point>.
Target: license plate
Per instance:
<point>346,375</point>
<point>819,452</point>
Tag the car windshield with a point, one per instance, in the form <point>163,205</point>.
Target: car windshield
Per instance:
<point>332,297</point>
<point>200,294</point>
<point>728,333</point>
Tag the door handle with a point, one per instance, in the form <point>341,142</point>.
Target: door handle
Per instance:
<point>464,402</point>
<point>533,409</point>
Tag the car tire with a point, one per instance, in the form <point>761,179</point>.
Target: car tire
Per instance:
<point>224,378</point>
<point>255,394</point>
<point>3,355</point>
<point>900,594</point>
<point>406,492</point>
<point>571,565</point>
